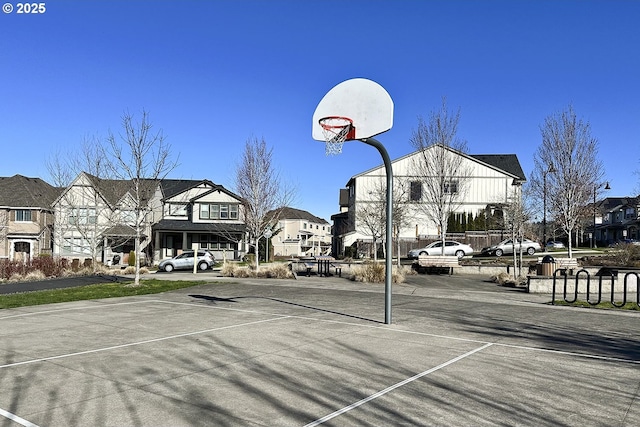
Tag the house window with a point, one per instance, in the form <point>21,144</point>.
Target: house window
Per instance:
<point>304,225</point>
<point>177,209</point>
<point>218,211</point>
<point>204,241</point>
<point>23,215</point>
<point>450,186</point>
<point>82,216</point>
<point>415,191</point>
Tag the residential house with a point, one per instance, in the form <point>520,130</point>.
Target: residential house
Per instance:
<point>26,217</point>
<point>300,233</point>
<point>199,214</point>
<point>97,219</point>
<point>491,182</point>
<point>616,219</point>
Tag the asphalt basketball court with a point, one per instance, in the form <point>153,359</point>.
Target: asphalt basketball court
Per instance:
<point>315,351</point>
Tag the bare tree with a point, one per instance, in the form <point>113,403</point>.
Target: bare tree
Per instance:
<point>258,182</point>
<point>143,157</point>
<point>440,168</point>
<point>371,215</point>
<point>567,144</point>
<point>516,216</point>
<point>84,211</point>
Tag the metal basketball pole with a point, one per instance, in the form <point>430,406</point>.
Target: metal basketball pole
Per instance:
<point>389,243</point>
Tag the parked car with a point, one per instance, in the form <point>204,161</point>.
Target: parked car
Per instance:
<point>450,248</point>
<point>507,246</point>
<point>555,245</point>
<point>185,261</point>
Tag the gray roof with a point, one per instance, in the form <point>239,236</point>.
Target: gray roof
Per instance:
<point>22,191</point>
<point>506,162</point>
<point>113,190</point>
<point>293,213</point>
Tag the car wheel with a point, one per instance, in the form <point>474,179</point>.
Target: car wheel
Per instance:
<point>498,252</point>
<point>460,254</point>
<point>168,268</point>
<point>423,253</point>
<point>531,251</point>
<point>203,266</point>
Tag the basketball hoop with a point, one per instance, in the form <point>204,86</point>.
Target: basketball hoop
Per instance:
<point>336,131</point>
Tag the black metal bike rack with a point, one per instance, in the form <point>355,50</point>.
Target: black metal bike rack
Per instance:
<point>583,272</point>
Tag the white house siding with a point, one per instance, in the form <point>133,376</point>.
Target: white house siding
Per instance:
<point>487,185</point>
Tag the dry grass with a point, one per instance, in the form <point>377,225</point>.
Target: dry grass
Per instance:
<point>373,272</point>
<point>505,279</point>
<point>276,271</point>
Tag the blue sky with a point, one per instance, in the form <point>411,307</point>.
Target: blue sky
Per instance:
<point>212,74</point>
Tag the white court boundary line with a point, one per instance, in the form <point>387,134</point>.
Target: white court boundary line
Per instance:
<point>393,387</point>
<point>17,419</point>
<point>485,345</point>
<point>61,310</point>
<point>426,334</point>
<point>114,347</point>
<point>283,316</point>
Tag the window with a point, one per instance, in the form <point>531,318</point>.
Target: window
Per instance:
<point>451,187</point>
<point>177,209</point>
<point>415,191</point>
<point>82,216</point>
<point>218,211</point>
<point>23,215</point>
<point>76,245</point>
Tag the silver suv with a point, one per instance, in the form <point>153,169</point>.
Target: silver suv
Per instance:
<point>185,261</point>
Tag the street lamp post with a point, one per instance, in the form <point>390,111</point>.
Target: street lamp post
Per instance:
<point>595,190</point>
<point>550,169</point>
<point>267,234</point>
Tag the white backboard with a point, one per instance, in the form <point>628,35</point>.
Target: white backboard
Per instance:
<point>363,101</point>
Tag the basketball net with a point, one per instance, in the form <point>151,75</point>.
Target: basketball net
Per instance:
<point>336,130</point>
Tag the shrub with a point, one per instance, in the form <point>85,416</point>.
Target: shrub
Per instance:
<point>129,270</point>
<point>242,273</point>
<point>626,254</point>
<point>34,275</point>
<point>280,271</point>
<point>229,269</point>
<point>132,259</point>
<point>374,272</point>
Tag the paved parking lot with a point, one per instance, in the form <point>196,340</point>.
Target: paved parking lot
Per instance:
<point>315,351</point>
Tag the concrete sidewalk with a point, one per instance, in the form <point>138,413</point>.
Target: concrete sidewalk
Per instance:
<point>314,351</point>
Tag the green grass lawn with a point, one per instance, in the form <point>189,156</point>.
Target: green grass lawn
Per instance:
<point>603,305</point>
<point>106,290</point>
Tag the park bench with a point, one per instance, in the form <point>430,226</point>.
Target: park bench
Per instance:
<point>426,262</point>
<point>337,269</point>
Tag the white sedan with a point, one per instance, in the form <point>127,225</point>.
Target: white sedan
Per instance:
<point>450,248</point>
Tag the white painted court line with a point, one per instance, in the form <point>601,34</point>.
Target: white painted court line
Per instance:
<point>61,310</point>
<point>393,387</point>
<point>426,334</point>
<point>16,419</point>
<point>97,350</point>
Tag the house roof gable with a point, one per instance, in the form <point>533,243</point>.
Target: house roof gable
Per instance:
<point>22,191</point>
<point>293,213</point>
